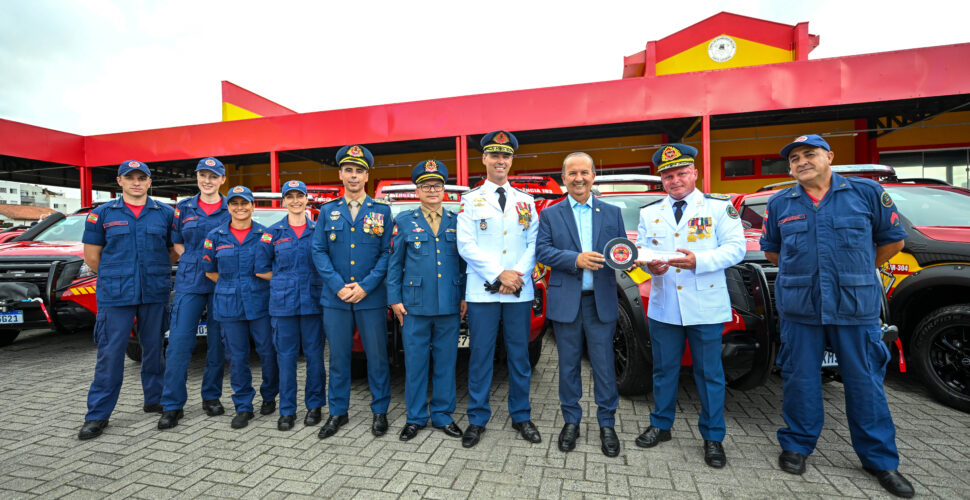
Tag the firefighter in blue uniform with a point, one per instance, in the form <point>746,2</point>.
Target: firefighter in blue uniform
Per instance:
<point>827,234</point>
<point>497,227</point>
<point>351,246</point>
<point>425,285</point>
<point>128,242</point>
<point>194,218</point>
<point>242,304</point>
<point>294,305</point>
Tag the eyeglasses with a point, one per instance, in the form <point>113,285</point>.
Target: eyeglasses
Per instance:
<point>428,188</point>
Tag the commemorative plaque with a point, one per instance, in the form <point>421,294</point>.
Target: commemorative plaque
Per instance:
<point>620,253</point>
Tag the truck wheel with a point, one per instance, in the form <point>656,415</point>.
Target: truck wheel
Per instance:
<point>535,350</point>
<point>7,337</point>
<point>941,354</point>
<point>634,374</point>
<point>133,350</point>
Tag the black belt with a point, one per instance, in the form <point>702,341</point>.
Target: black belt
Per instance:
<point>587,293</point>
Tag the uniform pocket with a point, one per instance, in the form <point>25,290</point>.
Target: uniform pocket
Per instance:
<point>412,291</point>
<point>878,353</point>
<point>710,290</point>
<point>451,245</point>
<point>226,303</point>
<point>100,326</point>
<point>283,293</point>
<point>852,230</point>
<point>156,236</point>
<point>228,261</point>
<point>794,295</point>
<point>858,295</point>
<point>418,243</point>
<point>114,279</point>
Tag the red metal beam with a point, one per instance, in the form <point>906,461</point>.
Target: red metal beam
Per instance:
<point>706,150</point>
<point>37,143</point>
<point>274,175</point>
<point>461,155</point>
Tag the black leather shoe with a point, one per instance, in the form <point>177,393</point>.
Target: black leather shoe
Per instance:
<point>213,407</point>
<point>652,437</point>
<point>285,422</point>
<point>312,417</point>
<point>567,437</point>
<point>333,424</point>
<point>451,430</point>
<point>528,431</point>
<point>379,427</point>
<point>610,444</point>
<point>792,462</point>
<point>91,429</point>
<point>241,419</point>
<point>169,419</point>
<point>893,482</point>
<point>410,430</point>
<point>267,408</point>
<point>152,408</point>
<point>473,434</point>
<point>714,454</point>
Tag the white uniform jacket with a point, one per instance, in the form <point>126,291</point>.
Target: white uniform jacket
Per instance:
<point>709,227</point>
<point>492,241</point>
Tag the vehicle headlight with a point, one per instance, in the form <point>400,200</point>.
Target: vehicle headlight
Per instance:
<point>85,271</point>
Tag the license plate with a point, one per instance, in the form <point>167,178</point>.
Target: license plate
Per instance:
<point>463,341</point>
<point>12,317</point>
<point>829,360</point>
<point>202,331</point>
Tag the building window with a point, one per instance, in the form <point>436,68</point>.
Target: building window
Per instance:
<point>950,165</point>
<point>3,190</point>
<point>749,167</point>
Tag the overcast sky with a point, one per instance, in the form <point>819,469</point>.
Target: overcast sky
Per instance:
<point>97,66</point>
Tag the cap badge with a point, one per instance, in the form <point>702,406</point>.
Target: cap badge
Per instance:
<point>210,162</point>
<point>800,138</point>
<point>431,166</point>
<point>500,138</point>
<point>355,151</point>
<point>133,164</point>
<point>670,153</point>
<point>293,184</point>
<point>237,189</point>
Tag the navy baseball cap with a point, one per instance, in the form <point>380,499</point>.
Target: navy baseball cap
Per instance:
<point>673,156</point>
<point>356,154</point>
<point>126,167</point>
<point>211,164</point>
<point>805,140</point>
<point>499,141</point>
<point>429,169</point>
<point>294,186</point>
<point>240,192</point>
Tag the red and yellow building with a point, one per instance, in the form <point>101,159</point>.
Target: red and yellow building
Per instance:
<point>735,87</point>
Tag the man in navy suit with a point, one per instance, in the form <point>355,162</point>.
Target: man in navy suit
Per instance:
<point>582,297</point>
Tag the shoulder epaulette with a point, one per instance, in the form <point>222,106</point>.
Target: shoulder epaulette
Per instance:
<point>521,191</point>
<point>470,191</point>
<point>652,203</point>
<point>382,202</point>
<point>717,196</point>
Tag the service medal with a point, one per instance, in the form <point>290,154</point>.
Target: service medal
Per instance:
<point>377,224</point>
<point>333,236</point>
<point>525,214</point>
<point>483,225</point>
<point>692,237</point>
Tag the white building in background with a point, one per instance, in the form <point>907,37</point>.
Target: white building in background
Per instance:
<point>18,193</point>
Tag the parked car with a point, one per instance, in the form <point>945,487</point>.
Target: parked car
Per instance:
<point>927,283</point>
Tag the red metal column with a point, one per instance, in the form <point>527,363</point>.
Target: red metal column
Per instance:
<point>461,158</point>
<point>87,193</point>
<point>274,175</point>
<point>706,150</point>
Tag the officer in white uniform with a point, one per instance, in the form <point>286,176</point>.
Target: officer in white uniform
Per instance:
<point>688,294</point>
<point>497,227</point>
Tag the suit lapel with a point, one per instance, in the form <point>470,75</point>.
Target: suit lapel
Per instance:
<point>570,221</point>
<point>598,244</point>
<point>422,221</point>
<point>667,212</point>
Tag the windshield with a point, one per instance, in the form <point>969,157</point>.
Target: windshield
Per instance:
<point>397,208</point>
<point>932,206</point>
<point>630,206</point>
<point>753,211</point>
<point>269,217</point>
<point>69,229</point>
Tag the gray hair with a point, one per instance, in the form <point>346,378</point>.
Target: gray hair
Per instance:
<point>578,154</point>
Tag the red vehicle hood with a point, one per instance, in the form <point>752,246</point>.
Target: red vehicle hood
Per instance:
<point>42,248</point>
<point>955,234</point>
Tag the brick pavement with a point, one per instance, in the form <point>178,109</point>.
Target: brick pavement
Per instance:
<point>44,378</point>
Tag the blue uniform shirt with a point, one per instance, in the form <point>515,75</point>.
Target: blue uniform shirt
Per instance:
<point>239,294</point>
<point>349,251</point>
<point>135,267</point>
<point>826,264</point>
<point>189,229</point>
<point>584,223</point>
<point>425,272</point>
<point>295,287</point>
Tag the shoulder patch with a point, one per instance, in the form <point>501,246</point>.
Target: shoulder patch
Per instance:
<point>93,218</point>
<point>886,200</point>
<point>732,212</point>
<point>177,213</point>
<point>207,244</point>
<point>717,196</point>
<point>382,202</point>
<point>267,238</point>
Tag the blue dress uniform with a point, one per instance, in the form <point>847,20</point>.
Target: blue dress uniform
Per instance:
<point>294,308</point>
<point>689,303</point>
<point>134,281</point>
<point>193,294</point>
<point>426,275</point>
<point>242,307</point>
<point>828,294</point>
<point>492,240</point>
<point>348,250</point>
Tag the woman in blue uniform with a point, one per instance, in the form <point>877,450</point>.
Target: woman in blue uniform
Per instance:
<point>241,304</point>
<point>284,259</point>
<point>194,218</point>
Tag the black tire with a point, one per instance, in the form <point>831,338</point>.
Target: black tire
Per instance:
<point>634,373</point>
<point>535,350</point>
<point>940,352</point>
<point>8,336</point>
<point>133,350</point>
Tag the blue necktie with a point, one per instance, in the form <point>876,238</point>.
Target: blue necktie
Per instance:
<point>679,210</point>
